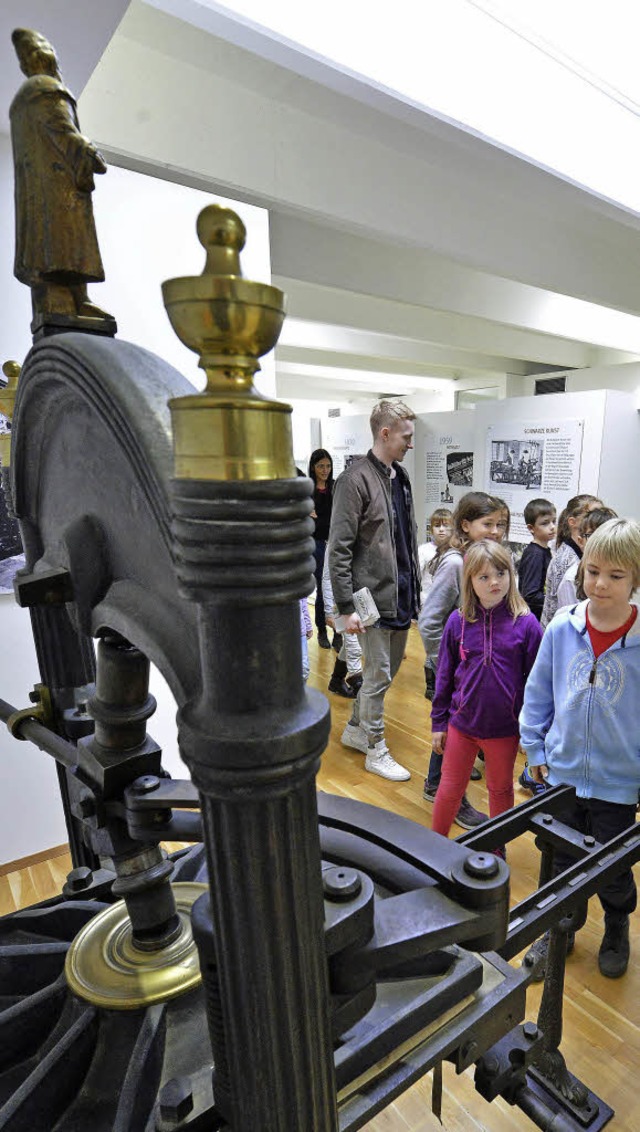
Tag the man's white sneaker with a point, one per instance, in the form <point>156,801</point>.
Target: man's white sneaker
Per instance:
<point>379,761</point>
<point>354,736</point>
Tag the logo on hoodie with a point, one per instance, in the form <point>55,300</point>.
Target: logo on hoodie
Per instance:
<point>606,682</point>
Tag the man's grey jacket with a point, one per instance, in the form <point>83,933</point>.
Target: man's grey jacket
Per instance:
<point>362,539</point>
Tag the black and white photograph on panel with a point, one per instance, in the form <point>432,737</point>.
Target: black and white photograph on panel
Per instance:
<point>517,462</point>
<point>460,469</point>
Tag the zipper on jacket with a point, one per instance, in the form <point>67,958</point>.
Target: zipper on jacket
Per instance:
<point>487,653</point>
<point>587,753</point>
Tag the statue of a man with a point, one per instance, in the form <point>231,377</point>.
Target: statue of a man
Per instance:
<point>57,251</point>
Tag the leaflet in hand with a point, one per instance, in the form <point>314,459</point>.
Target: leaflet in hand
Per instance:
<point>365,607</point>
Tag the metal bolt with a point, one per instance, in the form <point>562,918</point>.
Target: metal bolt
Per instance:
<point>79,878</point>
<point>490,1064</point>
<point>87,806</point>
<point>547,819</point>
<point>589,841</point>
<point>176,1099</point>
<point>481,865</point>
<point>530,1031</point>
<point>469,1051</point>
<point>146,784</point>
<point>340,883</point>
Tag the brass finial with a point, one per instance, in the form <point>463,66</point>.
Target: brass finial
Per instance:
<point>11,371</point>
<point>229,432</point>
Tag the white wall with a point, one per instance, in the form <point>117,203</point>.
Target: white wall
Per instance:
<point>15,336</point>
<point>147,234</point>
<point>625,377</point>
<point>610,445</point>
<point>619,484</point>
<point>305,428</point>
<point>31,817</point>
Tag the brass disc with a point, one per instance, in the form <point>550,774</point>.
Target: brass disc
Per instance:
<point>104,967</point>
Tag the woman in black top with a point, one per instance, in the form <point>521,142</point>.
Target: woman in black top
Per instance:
<point>321,472</point>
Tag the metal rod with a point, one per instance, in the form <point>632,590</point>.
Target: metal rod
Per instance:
<point>62,751</point>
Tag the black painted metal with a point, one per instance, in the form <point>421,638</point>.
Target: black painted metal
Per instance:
<point>67,666</point>
<point>91,467</point>
<point>65,1065</point>
<point>243,553</point>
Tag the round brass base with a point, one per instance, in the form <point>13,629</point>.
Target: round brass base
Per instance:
<point>104,967</point>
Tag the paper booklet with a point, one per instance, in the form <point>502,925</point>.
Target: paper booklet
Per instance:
<point>366,609</point>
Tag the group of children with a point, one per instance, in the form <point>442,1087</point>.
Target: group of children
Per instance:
<point>509,663</point>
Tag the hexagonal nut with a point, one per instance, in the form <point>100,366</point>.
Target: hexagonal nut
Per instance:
<point>86,806</point>
<point>79,879</point>
<point>176,1099</point>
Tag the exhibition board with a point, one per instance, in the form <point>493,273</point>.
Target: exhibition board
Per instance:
<point>519,448</point>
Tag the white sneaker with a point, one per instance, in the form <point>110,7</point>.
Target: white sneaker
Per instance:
<point>379,761</point>
<point>354,736</point>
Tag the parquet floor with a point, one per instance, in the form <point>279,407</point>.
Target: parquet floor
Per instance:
<point>602,1017</point>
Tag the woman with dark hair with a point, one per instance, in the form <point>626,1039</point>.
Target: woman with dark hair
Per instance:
<point>321,473</point>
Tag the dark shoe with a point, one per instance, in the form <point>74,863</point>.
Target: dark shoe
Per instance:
<point>339,687</point>
<point>337,642</point>
<point>475,774</point>
<point>355,681</point>
<point>536,957</point>
<point>529,783</point>
<point>430,682</point>
<point>468,817</point>
<point>429,792</point>
<point>613,956</point>
<point>323,639</point>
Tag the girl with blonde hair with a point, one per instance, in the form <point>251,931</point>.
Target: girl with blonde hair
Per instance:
<point>477,516</point>
<point>487,651</point>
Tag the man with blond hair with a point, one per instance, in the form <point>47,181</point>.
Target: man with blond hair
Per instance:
<point>373,543</point>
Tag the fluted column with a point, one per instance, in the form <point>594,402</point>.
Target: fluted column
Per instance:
<point>252,735</point>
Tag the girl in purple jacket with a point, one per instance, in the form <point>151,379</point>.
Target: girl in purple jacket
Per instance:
<point>487,651</point>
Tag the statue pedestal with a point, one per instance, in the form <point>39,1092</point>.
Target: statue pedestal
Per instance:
<point>44,325</point>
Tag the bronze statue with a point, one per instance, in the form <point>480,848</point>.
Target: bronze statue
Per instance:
<point>57,251</point>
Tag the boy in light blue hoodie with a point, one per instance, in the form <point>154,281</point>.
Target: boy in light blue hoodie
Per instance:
<point>579,720</point>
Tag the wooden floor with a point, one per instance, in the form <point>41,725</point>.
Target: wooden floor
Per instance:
<point>602,1016</point>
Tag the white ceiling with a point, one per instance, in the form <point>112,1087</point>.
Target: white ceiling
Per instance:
<point>413,253</point>
<point>79,29</point>
<point>556,83</point>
